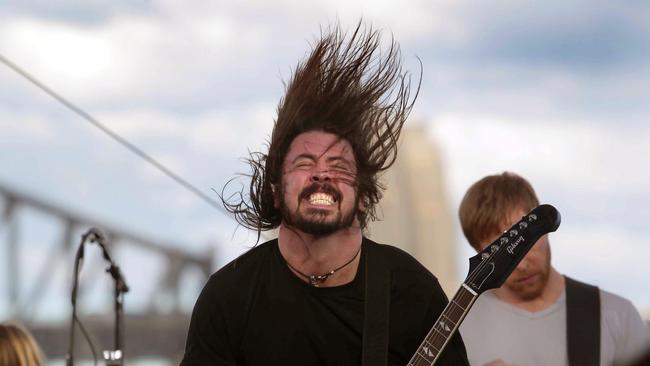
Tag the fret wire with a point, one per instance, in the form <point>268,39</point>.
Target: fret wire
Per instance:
<point>425,361</point>
<point>469,297</point>
<point>425,357</point>
<point>411,362</point>
<point>450,321</point>
<point>457,298</point>
<point>419,358</point>
<point>437,342</point>
<point>463,297</point>
<point>436,345</point>
<point>436,336</point>
<point>432,345</point>
<point>437,339</point>
<point>436,348</point>
<point>466,293</point>
<point>437,331</point>
<point>456,310</point>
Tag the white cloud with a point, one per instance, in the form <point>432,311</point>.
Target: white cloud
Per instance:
<point>142,123</point>
<point>608,256</point>
<point>64,52</point>
<point>16,126</point>
<point>419,20</point>
<point>233,130</point>
<point>129,56</point>
<point>574,155</point>
<point>221,132</point>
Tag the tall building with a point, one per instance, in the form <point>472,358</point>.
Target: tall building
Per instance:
<point>414,212</point>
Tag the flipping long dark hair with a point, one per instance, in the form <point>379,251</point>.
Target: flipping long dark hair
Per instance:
<point>351,89</point>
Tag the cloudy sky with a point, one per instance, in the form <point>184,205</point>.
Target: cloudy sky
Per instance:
<point>556,91</point>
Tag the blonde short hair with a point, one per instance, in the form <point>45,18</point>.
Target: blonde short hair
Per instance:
<point>18,347</point>
<point>488,203</point>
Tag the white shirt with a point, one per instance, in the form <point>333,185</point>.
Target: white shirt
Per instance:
<point>494,329</point>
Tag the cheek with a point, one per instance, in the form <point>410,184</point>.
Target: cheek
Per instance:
<point>541,250</point>
<point>294,181</point>
<point>292,185</point>
<point>350,194</point>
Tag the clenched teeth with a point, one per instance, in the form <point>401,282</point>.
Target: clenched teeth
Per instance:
<point>321,199</point>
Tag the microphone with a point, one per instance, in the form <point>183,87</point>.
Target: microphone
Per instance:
<point>114,357</point>
<point>98,238</point>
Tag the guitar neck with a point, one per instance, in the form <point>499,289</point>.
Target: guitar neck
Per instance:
<point>444,328</point>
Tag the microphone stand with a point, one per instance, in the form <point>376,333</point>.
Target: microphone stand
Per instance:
<point>75,288</point>
<point>115,357</point>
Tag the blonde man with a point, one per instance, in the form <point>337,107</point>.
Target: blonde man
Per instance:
<point>524,322</point>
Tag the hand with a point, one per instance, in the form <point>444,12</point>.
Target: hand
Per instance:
<point>499,362</point>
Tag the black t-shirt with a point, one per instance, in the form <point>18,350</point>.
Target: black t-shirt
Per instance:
<point>255,311</point>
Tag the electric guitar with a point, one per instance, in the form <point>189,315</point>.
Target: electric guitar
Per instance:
<point>487,270</point>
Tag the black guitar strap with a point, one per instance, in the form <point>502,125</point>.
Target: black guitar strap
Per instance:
<point>377,303</point>
<point>583,323</point>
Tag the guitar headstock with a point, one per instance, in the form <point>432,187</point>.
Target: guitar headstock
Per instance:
<point>492,266</point>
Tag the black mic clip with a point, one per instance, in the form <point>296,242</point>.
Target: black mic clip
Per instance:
<point>96,236</point>
<point>115,272</point>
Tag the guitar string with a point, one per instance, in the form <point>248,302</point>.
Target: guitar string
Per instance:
<point>434,335</point>
<point>432,341</point>
<point>460,295</point>
<point>417,357</point>
<point>437,335</point>
<point>472,276</point>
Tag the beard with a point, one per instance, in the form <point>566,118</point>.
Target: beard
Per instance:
<point>317,222</point>
<point>534,289</point>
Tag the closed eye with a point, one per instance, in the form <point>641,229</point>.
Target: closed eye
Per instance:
<point>303,163</point>
<point>341,168</point>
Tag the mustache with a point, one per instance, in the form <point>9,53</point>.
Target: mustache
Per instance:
<point>321,187</point>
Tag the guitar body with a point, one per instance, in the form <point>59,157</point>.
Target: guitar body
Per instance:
<point>487,270</point>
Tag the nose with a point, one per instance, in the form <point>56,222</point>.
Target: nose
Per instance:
<point>524,265</point>
<point>321,175</point>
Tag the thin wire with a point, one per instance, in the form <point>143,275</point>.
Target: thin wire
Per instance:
<point>134,149</point>
<point>87,336</point>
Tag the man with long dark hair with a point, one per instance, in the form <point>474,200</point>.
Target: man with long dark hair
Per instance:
<point>301,298</point>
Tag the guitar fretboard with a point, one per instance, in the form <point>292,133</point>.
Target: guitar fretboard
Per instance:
<point>444,328</point>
